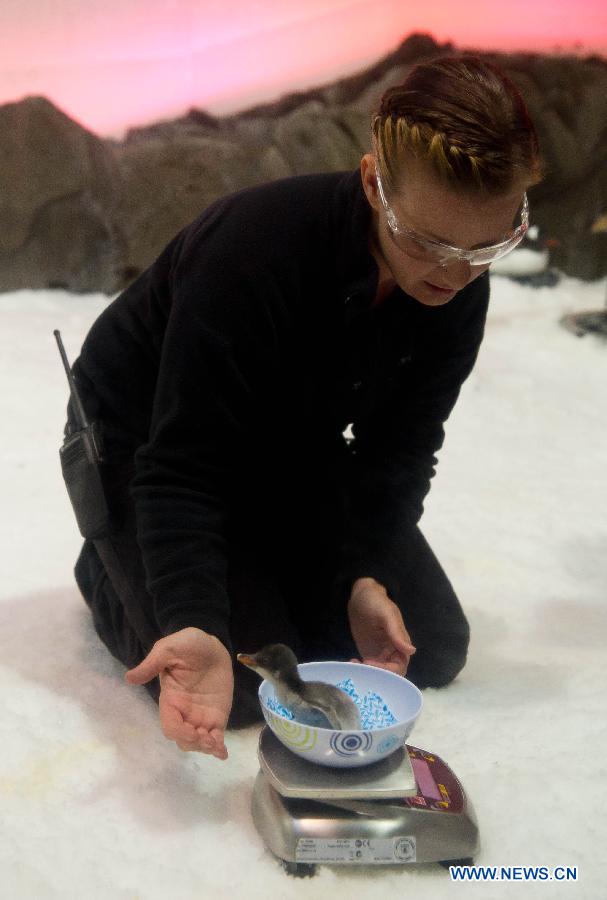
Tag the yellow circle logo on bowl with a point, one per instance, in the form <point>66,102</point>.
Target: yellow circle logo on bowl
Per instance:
<point>293,734</point>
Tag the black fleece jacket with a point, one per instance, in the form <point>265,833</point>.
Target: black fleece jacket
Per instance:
<point>228,371</point>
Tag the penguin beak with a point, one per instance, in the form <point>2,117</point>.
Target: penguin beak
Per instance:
<point>246,660</point>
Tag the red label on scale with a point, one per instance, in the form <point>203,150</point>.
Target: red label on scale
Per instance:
<point>437,786</point>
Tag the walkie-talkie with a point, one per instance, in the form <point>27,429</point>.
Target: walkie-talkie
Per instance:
<point>81,463</point>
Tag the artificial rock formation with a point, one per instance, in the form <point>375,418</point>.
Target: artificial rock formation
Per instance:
<point>88,214</point>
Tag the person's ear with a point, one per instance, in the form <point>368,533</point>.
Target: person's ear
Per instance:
<point>369,180</point>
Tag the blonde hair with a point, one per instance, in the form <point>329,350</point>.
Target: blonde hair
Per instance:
<point>466,118</point>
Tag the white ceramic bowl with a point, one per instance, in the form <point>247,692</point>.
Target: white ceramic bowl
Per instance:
<point>346,749</point>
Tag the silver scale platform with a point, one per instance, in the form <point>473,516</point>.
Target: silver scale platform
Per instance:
<point>408,808</point>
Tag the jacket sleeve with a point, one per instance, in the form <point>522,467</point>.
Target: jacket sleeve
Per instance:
<point>217,350</point>
<point>392,458</point>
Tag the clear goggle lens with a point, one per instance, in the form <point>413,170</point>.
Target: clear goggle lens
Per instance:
<point>442,254</point>
<point>426,252</point>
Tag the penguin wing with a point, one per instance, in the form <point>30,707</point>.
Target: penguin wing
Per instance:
<point>339,709</point>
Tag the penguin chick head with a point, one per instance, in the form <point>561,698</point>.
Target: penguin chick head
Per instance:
<point>275,662</point>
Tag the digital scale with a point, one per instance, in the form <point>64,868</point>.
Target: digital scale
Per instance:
<point>407,808</point>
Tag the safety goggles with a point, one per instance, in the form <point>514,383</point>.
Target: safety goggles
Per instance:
<point>423,249</point>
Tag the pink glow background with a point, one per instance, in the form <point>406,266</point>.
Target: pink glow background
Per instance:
<point>114,63</point>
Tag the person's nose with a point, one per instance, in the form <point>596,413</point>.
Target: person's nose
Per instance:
<point>457,274</point>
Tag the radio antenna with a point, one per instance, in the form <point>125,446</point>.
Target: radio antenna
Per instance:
<point>78,407</point>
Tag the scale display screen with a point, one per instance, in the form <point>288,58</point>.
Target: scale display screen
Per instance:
<point>425,782</point>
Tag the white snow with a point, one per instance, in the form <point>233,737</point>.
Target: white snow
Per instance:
<point>96,803</point>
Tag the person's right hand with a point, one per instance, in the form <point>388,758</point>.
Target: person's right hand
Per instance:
<point>196,688</point>
<point>378,628</point>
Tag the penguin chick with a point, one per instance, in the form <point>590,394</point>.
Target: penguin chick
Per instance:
<point>278,664</point>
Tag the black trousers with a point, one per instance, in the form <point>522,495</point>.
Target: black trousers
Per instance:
<point>274,597</point>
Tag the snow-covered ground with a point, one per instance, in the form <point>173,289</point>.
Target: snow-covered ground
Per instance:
<point>96,803</point>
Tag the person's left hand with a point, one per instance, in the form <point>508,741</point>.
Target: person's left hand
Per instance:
<point>378,628</point>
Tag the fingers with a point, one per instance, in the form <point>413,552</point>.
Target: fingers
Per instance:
<point>202,741</point>
<point>391,666</point>
<point>203,744</point>
<point>188,737</point>
<point>151,666</point>
<point>399,665</point>
<point>393,662</point>
<point>404,646</point>
<point>400,637</point>
<point>211,741</point>
<point>397,668</point>
<point>220,749</point>
<point>173,723</point>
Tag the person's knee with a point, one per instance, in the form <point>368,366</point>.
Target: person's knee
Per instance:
<point>87,570</point>
<point>438,661</point>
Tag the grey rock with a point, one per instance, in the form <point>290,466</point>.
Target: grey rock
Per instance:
<point>167,182</point>
<point>58,190</point>
<point>313,138</point>
<point>90,214</point>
